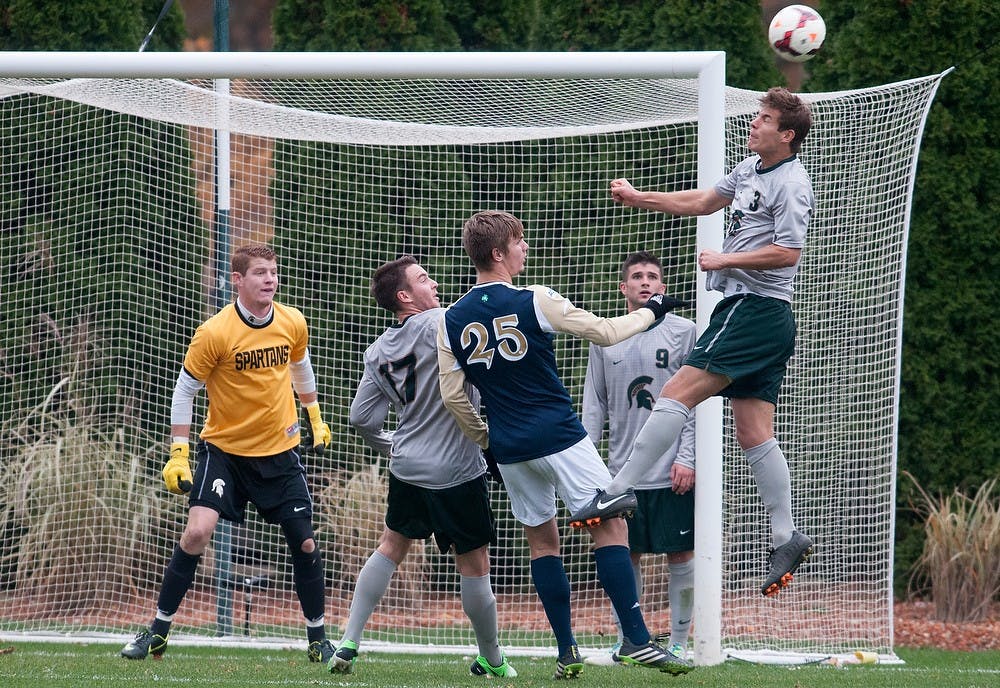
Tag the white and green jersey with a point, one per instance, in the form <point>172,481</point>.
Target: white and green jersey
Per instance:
<point>427,448</point>
<point>623,382</point>
<point>771,205</point>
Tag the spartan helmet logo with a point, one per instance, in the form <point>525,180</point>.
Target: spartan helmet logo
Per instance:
<point>218,485</point>
<point>637,390</point>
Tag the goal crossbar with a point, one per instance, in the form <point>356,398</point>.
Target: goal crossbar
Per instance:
<point>355,65</point>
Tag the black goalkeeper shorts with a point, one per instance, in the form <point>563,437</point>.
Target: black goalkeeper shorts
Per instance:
<point>276,485</point>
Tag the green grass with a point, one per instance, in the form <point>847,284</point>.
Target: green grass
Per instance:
<point>51,665</point>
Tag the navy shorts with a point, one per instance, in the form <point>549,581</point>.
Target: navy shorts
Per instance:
<point>276,485</point>
<point>459,515</point>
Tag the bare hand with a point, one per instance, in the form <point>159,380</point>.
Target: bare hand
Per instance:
<point>622,191</point>
<point>682,478</point>
<point>711,260</point>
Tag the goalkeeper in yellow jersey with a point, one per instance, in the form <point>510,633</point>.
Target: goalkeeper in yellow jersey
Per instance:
<point>249,357</point>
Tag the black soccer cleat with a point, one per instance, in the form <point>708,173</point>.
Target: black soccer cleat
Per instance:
<point>320,651</point>
<point>654,656</point>
<point>784,561</point>
<point>569,664</point>
<point>143,644</point>
<point>604,507</point>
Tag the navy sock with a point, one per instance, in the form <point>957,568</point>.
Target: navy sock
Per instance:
<point>307,572</point>
<point>177,580</point>
<point>552,587</point>
<point>614,569</point>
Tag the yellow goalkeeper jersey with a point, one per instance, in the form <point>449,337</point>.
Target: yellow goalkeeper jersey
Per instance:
<point>251,404</point>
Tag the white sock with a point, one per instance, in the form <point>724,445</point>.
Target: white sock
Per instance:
<point>480,605</point>
<point>371,585</point>
<point>657,435</point>
<point>681,595</point>
<point>770,472</point>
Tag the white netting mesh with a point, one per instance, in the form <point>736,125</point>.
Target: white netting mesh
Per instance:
<point>107,235</point>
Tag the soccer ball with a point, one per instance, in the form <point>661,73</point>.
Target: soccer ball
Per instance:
<point>796,33</point>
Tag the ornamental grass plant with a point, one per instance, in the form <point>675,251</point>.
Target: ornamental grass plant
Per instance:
<point>960,562</point>
<point>81,515</point>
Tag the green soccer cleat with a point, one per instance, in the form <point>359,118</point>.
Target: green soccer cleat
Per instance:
<point>482,667</point>
<point>144,644</point>
<point>342,661</point>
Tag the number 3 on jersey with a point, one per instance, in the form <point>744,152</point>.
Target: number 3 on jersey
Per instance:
<point>511,342</point>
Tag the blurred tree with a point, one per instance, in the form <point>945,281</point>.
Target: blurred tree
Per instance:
<point>81,184</point>
<point>347,25</point>
<point>533,25</point>
<point>951,337</point>
<point>87,25</point>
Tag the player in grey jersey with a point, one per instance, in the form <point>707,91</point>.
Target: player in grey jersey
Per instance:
<point>437,482</point>
<point>621,382</point>
<point>744,352</point>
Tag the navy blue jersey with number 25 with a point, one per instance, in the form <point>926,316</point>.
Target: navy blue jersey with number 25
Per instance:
<point>501,338</point>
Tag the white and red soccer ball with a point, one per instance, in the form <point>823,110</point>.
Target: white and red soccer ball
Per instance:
<point>796,33</point>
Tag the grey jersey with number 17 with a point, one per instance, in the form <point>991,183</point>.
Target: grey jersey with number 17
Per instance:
<point>771,205</point>
<point>427,448</point>
<point>622,384</point>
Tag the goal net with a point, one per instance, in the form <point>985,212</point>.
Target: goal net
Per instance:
<point>110,226</point>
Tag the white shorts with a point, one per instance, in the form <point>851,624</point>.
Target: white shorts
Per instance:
<point>573,474</point>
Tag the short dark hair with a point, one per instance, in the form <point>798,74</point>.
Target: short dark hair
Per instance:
<point>387,281</point>
<point>244,254</point>
<point>793,114</point>
<point>640,257</point>
<point>486,231</point>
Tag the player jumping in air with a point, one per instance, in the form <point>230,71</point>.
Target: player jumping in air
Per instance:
<point>744,352</point>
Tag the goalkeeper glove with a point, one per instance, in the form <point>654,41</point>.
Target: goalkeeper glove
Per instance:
<point>491,466</point>
<point>320,430</point>
<point>177,472</point>
<point>661,304</point>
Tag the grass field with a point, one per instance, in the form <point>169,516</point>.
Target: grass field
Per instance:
<point>50,665</point>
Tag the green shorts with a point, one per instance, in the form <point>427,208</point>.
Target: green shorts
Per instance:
<point>460,515</point>
<point>663,522</point>
<point>749,340</point>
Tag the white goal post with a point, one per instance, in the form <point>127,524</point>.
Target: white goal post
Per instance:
<point>343,161</point>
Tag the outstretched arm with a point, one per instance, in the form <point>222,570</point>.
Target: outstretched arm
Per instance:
<point>556,313</point>
<point>689,202</point>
